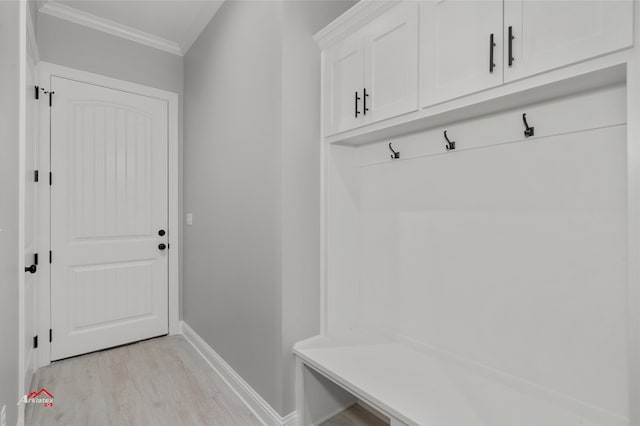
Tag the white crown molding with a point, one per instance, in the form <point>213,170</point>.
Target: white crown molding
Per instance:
<point>95,22</point>
<point>254,402</point>
<point>360,14</point>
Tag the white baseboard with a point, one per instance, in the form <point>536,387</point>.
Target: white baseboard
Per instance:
<point>258,406</point>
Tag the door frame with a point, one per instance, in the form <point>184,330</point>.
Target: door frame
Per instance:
<point>48,70</point>
<point>27,41</point>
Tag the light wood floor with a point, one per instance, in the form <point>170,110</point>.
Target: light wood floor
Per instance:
<point>163,381</point>
<point>355,416</point>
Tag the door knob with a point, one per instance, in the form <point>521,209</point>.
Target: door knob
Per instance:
<point>162,246</point>
<point>32,269</point>
<point>161,232</point>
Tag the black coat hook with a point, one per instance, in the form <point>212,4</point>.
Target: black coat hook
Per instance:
<point>396,154</point>
<point>528,131</point>
<point>450,145</point>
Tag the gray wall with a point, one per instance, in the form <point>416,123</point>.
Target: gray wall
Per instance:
<point>65,43</point>
<point>232,153</point>
<point>252,111</point>
<point>9,162</point>
<point>300,175</point>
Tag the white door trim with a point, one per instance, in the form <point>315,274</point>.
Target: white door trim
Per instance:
<point>25,30</point>
<point>45,72</point>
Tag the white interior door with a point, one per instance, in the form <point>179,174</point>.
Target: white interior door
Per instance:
<point>550,34</point>
<point>28,310</point>
<point>458,56</point>
<point>109,217</point>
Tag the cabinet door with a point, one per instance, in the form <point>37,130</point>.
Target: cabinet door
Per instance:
<point>391,62</point>
<point>456,48</point>
<point>551,34</point>
<point>343,81</point>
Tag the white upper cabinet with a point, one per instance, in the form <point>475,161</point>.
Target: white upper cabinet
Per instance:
<point>372,75</point>
<point>391,63</point>
<point>401,60</point>
<point>549,34</point>
<point>461,48</point>
<point>343,76</point>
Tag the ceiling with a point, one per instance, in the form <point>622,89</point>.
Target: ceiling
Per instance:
<point>170,25</point>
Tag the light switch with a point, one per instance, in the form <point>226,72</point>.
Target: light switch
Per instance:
<point>189,219</point>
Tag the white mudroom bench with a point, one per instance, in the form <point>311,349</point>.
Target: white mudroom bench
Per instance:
<point>413,385</point>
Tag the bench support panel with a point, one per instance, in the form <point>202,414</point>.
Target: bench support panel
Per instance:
<point>318,398</point>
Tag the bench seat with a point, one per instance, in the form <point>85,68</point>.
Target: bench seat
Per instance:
<point>416,388</point>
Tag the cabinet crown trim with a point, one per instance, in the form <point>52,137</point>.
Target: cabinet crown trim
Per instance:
<point>351,20</point>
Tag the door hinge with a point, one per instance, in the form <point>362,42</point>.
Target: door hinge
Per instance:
<point>35,342</point>
<point>35,176</point>
<point>50,178</point>
<point>50,256</point>
<point>37,92</point>
<point>50,335</point>
<point>50,93</point>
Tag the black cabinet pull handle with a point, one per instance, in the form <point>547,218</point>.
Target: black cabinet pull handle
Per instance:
<point>32,269</point>
<point>492,44</point>
<point>357,98</point>
<point>511,37</point>
<point>364,100</point>
<point>162,246</point>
